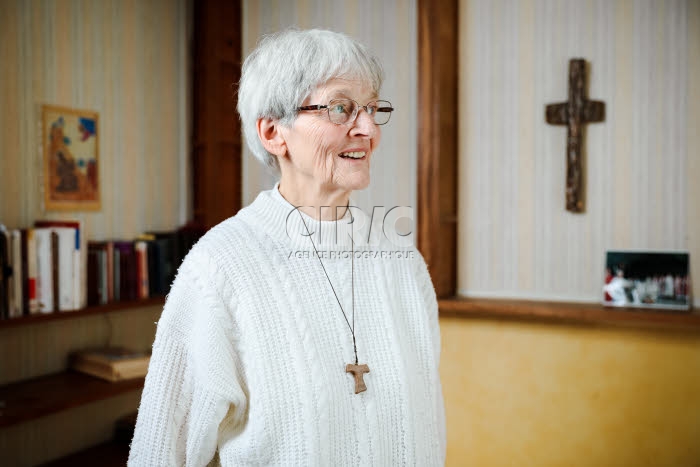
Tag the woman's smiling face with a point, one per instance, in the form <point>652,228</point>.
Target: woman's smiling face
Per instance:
<point>335,157</point>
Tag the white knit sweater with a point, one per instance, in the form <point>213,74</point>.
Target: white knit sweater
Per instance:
<point>248,364</point>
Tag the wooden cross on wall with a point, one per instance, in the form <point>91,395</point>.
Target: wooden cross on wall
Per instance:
<point>574,113</point>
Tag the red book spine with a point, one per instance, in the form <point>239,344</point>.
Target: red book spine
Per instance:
<point>31,286</point>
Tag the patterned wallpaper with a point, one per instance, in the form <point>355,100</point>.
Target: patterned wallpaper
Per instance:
<point>516,239</point>
<point>389,28</point>
<point>126,60</point>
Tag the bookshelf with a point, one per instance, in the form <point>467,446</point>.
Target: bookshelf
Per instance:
<point>44,402</point>
<point>50,413</point>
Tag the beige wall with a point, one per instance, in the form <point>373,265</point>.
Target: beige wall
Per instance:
<point>43,348</point>
<point>516,239</point>
<point>54,436</point>
<point>389,28</point>
<point>125,60</point>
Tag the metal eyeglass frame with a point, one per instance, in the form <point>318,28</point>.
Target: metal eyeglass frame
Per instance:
<point>389,109</point>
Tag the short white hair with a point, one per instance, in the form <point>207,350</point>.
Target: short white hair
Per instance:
<point>286,67</point>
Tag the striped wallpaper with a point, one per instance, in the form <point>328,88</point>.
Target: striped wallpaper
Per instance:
<point>126,60</point>
<point>389,28</point>
<point>515,237</point>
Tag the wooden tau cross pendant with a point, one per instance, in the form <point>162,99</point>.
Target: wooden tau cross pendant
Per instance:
<point>358,371</point>
<point>574,113</point>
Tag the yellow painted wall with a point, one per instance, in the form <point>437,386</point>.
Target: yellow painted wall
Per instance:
<point>526,394</point>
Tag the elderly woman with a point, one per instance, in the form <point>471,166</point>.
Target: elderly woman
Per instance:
<point>294,333</point>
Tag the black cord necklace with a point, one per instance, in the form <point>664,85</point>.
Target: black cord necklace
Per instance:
<point>356,369</point>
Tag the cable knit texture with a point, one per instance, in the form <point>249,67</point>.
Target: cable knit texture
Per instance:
<point>248,364</point>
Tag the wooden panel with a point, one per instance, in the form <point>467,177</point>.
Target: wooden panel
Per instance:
<point>572,313</point>
<point>227,42</point>
<point>201,103</point>
<point>229,124</point>
<point>437,141</point>
<point>198,159</point>
<point>225,196</point>
<point>216,158</point>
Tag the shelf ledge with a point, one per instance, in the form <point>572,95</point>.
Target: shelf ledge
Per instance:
<point>89,311</point>
<point>568,313</point>
<point>108,454</point>
<point>38,397</point>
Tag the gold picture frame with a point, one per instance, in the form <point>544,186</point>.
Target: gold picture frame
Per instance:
<point>71,159</point>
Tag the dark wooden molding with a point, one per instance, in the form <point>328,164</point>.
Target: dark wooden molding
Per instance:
<point>50,394</point>
<point>216,147</point>
<point>568,313</point>
<point>90,311</point>
<point>437,141</point>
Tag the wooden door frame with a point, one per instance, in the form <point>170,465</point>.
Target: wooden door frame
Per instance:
<point>436,225</point>
<point>216,137</point>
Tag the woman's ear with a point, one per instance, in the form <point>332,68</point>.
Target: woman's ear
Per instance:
<point>271,137</point>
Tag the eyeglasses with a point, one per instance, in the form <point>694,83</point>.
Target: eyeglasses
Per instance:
<point>344,111</point>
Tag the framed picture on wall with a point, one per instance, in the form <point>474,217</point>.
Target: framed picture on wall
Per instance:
<point>647,279</point>
<point>70,159</point>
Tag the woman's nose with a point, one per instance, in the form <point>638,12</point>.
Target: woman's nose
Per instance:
<point>364,124</point>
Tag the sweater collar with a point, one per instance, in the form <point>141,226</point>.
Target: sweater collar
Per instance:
<point>284,222</point>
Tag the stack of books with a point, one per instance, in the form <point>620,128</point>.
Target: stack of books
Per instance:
<point>111,363</point>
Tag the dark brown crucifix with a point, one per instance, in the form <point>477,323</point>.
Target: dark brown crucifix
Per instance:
<point>358,371</point>
<point>574,113</point>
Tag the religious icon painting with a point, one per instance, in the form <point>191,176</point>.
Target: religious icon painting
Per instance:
<point>71,159</point>
<point>644,279</point>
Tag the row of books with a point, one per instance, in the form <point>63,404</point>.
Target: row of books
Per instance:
<point>131,270</point>
<point>51,267</point>
<point>42,268</point>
